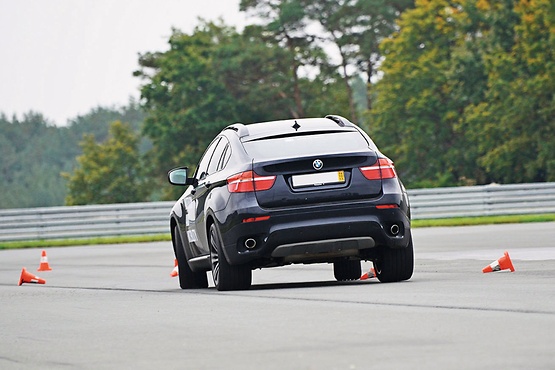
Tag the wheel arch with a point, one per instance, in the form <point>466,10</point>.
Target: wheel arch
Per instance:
<point>173,224</point>
<point>211,219</point>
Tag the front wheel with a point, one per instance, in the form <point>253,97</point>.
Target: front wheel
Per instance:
<point>188,279</point>
<point>346,269</point>
<point>394,265</point>
<point>226,276</point>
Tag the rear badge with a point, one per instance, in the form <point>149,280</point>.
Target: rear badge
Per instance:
<point>317,164</point>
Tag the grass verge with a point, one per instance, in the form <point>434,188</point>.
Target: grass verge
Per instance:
<point>89,241</point>
<point>447,222</point>
<point>483,220</point>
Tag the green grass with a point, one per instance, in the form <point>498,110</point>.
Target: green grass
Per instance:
<point>461,221</point>
<point>483,220</point>
<point>89,241</point>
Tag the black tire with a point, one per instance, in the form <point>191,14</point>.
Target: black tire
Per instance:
<point>346,269</point>
<point>188,279</point>
<point>226,276</point>
<point>394,265</point>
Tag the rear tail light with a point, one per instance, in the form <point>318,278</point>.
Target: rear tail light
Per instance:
<point>382,169</point>
<point>248,181</point>
<point>256,219</point>
<point>387,206</point>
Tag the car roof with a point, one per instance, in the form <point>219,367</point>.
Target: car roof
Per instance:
<point>292,127</point>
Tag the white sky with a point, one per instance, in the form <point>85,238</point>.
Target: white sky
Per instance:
<point>62,58</point>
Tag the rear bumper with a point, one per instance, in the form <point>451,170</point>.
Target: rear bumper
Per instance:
<point>314,233</point>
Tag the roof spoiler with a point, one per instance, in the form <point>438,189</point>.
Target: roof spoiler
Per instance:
<point>341,121</point>
<point>239,128</point>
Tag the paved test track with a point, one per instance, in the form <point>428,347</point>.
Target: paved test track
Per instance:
<point>116,306</point>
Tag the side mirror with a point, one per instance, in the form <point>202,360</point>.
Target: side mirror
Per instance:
<point>178,176</point>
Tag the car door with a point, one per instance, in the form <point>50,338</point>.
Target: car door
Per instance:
<point>195,205</point>
<point>206,181</point>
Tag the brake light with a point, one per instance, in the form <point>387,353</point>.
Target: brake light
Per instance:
<point>387,206</point>
<point>256,219</point>
<point>387,168</point>
<point>248,181</point>
<point>382,169</point>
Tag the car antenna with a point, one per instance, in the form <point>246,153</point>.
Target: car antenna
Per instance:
<point>296,126</point>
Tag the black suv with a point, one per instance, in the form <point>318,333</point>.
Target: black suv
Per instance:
<point>313,190</point>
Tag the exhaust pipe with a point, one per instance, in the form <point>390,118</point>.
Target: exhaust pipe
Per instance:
<point>250,243</point>
<point>394,229</point>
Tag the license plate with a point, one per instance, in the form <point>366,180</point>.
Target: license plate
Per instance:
<point>318,179</point>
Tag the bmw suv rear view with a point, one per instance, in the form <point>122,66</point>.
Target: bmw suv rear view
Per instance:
<point>298,191</point>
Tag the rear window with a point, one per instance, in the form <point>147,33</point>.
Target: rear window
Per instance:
<point>306,145</point>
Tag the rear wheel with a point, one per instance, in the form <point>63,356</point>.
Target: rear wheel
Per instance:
<point>346,269</point>
<point>188,279</point>
<point>226,276</point>
<point>395,264</point>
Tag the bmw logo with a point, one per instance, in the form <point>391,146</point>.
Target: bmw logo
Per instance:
<point>317,164</point>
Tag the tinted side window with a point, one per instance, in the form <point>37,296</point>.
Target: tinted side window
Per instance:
<point>202,169</point>
<point>217,156</point>
<point>225,157</point>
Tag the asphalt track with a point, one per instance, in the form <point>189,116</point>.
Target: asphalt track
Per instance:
<point>116,306</point>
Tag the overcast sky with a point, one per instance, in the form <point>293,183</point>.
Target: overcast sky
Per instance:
<point>62,58</point>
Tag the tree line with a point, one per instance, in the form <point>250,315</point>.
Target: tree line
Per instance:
<point>467,93</point>
<point>456,92</point>
<point>37,157</point>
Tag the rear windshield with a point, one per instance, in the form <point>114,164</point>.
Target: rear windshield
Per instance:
<point>306,145</point>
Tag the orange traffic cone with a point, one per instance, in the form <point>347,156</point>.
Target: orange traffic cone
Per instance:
<point>27,277</point>
<point>175,270</point>
<point>503,263</point>
<point>44,266</point>
<point>370,274</point>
